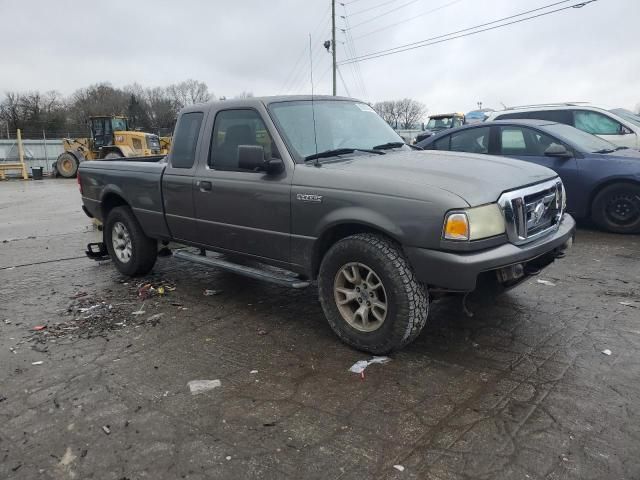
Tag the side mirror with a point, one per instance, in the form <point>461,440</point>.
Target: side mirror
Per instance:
<point>274,165</point>
<point>555,150</point>
<point>624,130</point>
<point>251,157</point>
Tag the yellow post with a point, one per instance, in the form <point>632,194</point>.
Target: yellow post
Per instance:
<point>25,175</point>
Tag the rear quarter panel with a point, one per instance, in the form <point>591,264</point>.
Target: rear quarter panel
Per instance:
<point>137,183</point>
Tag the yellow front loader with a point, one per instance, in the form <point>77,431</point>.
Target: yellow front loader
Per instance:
<point>110,138</point>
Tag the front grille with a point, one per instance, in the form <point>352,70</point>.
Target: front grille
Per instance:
<point>532,212</point>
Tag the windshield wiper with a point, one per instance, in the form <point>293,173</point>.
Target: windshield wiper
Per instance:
<point>388,145</point>
<point>622,148</point>
<point>605,150</point>
<point>339,151</point>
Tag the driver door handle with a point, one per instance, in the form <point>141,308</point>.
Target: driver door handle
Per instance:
<point>204,185</point>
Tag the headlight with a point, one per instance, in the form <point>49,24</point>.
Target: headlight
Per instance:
<point>474,223</point>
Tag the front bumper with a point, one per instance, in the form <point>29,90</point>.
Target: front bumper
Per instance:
<point>459,271</point>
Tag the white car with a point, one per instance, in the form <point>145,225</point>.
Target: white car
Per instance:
<point>618,126</point>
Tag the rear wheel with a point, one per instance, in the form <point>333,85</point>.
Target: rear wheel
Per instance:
<point>130,249</point>
<point>617,208</point>
<point>67,165</point>
<point>370,295</point>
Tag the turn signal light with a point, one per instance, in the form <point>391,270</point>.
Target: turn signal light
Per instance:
<point>456,227</point>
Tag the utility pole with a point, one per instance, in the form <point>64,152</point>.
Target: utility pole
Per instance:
<point>333,42</point>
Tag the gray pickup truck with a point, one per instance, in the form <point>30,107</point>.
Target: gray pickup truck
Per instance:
<point>297,189</point>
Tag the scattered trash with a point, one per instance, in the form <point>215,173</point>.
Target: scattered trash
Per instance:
<point>155,319</point>
<point>37,328</point>
<point>545,282</point>
<point>361,365</point>
<point>628,304</point>
<point>106,429</point>
<point>475,345</point>
<point>200,386</point>
<point>67,458</point>
<point>39,362</point>
<point>7,321</point>
<point>400,468</point>
<point>140,311</point>
<point>148,290</point>
<point>262,332</point>
<point>253,372</point>
<point>606,351</point>
<point>209,293</point>
<point>228,457</point>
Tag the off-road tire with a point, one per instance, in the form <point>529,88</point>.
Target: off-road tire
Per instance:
<point>67,165</point>
<point>144,249</point>
<point>112,155</point>
<point>602,205</point>
<point>407,299</point>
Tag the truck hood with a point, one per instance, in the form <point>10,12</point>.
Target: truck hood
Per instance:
<point>477,179</point>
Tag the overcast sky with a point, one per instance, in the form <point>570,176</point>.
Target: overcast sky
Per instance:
<point>588,54</point>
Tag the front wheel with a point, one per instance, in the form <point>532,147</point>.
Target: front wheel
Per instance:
<point>370,295</point>
<point>67,165</point>
<point>617,208</point>
<point>130,249</point>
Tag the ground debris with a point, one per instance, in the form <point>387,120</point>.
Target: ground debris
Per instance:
<point>628,304</point>
<point>90,316</point>
<point>200,386</point>
<point>606,351</point>
<point>548,283</point>
<point>400,468</point>
<point>361,365</point>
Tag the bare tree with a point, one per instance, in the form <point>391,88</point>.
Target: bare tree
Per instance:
<point>388,111</point>
<point>11,110</point>
<point>410,112</point>
<point>99,99</point>
<point>244,94</point>
<point>189,92</point>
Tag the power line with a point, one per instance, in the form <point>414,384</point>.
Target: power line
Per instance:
<point>428,41</point>
<point>357,74</point>
<point>385,13</point>
<point>346,89</point>
<point>371,8</point>
<point>294,72</point>
<point>441,7</point>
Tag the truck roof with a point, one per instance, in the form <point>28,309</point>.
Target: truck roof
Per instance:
<point>253,101</point>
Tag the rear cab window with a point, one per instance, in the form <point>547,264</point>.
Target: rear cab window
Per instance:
<point>185,141</point>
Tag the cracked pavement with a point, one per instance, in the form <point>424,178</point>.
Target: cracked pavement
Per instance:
<point>521,390</point>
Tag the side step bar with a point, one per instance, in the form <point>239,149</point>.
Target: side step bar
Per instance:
<point>252,272</point>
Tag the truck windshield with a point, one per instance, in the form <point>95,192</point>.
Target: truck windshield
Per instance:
<point>119,124</point>
<point>440,123</point>
<point>339,124</point>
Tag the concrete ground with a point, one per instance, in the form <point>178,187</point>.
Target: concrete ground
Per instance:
<point>521,390</point>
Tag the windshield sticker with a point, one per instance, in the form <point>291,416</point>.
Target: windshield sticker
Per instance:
<point>365,108</point>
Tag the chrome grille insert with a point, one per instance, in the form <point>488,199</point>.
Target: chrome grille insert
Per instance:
<point>532,212</point>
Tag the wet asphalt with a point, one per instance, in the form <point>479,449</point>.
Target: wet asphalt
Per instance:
<point>520,390</point>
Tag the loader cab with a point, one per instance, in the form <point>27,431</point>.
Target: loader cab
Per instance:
<point>102,129</point>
